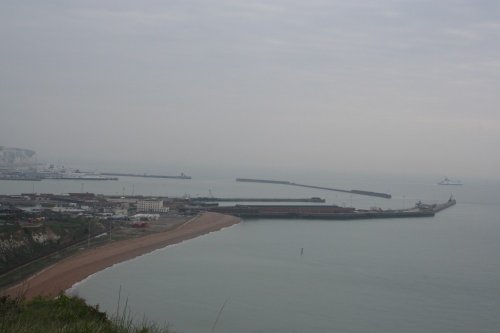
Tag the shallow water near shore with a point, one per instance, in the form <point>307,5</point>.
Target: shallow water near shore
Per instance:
<point>436,274</point>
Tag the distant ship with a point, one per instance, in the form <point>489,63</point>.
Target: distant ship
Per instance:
<point>448,181</point>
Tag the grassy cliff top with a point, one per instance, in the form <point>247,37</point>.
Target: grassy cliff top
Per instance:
<point>63,314</point>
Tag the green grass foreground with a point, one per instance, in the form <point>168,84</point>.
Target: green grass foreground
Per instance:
<point>64,314</point>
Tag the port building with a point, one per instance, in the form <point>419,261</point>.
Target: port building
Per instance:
<point>152,205</point>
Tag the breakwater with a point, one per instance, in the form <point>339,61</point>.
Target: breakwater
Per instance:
<point>82,177</point>
<point>181,176</point>
<point>54,176</point>
<point>250,180</point>
<point>328,212</point>
<point>214,199</point>
<point>282,182</point>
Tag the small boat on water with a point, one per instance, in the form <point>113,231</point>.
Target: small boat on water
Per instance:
<point>448,181</point>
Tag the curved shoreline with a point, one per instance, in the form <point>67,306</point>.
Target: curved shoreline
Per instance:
<point>64,274</point>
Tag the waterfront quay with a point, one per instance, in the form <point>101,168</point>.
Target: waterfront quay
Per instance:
<point>330,212</point>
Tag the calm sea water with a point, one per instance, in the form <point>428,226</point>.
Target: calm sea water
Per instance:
<point>439,274</point>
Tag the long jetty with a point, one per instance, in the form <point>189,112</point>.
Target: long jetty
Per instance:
<point>326,212</point>
<point>282,182</point>
<point>214,199</point>
<point>181,176</point>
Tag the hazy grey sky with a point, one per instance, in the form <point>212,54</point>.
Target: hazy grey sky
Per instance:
<point>362,85</point>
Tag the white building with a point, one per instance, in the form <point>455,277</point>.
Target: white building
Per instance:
<point>152,205</point>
